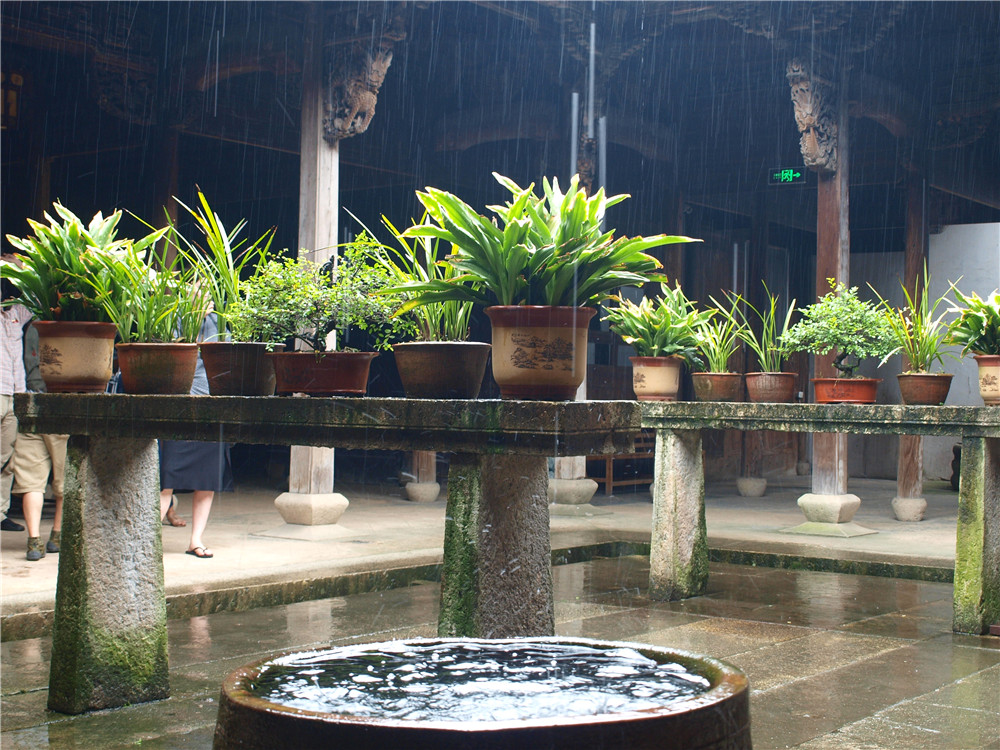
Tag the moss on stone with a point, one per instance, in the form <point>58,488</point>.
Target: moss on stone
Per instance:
<point>460,570</point>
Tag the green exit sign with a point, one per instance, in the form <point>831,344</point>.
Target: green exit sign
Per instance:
<point>787,176</point>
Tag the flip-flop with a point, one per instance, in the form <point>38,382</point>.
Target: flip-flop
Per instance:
<point>199,552</point>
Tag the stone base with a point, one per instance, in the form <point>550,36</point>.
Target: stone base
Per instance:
<point>311,509</point>
<point>578,511</point>
<point>829,508</point>
<point>571,491</point>
<point>298,532</point>
<point>909,508</point>
<point>751,486</point>
<point>422,492</point>
<point>817,528</point>
<point>803,468</point>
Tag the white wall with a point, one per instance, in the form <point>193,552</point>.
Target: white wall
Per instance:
<point>969,256</point>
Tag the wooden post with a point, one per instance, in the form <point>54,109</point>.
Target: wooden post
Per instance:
<point>909,504</point>
<point>311,469</point>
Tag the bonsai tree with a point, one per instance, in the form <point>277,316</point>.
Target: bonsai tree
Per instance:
<point>65,264</point>
<point>841,321</point>
<point>667,325</point>
<point>977,327</point>
<point>544,250</point>
<point>764,334</point>
<point>297,298</point>
<point>918,333</point>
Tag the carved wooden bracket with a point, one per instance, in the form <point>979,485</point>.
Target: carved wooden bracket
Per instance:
<point>814,117</point>
<point>354,76</point>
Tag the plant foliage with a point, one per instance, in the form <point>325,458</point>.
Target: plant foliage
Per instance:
<point>977,327</point>
<point>544,250</point>
<point>660,326</point>
<point>764,334</point>
<point>301,299</point>
<point>59,261</point>
<point>919,334</point>
<point>841,321</point>
<point>719,336</point>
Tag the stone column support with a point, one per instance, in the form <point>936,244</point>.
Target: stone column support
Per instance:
<point>678,560</point>
<point>109,636</point>
<point>496,581</point>
<point>977,550</point>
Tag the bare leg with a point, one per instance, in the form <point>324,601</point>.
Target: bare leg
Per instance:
<point>32,503</point>
<point>201,506</point>
<point>57,518</point>
<point>165,496</point>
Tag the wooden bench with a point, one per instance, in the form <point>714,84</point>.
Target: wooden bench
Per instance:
<point>645,443</point>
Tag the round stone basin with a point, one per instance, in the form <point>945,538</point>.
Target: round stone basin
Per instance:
<point>524,693</point>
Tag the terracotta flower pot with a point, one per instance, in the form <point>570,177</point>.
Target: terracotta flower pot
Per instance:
<point>322,373</point>
<point>539,352</point>
<point>771,387</point>
<point>236,368</point>
<point>75,357</point>
<point>441,369</point>
<point>989,378</point>
<point>656,378</point>
<point>924,388</point>
<point>845,390</point>
<point>157,368</point>
<point>717,386</point>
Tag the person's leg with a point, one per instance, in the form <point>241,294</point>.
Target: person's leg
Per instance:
<point>32,465</point>
<point>8,436</point>
<point>201,506</point>
<point>56,445</point>
<point>165,495</point>
<point>32,503</point>
<point>172,518</point>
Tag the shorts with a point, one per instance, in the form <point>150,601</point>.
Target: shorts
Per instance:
<point>35,457</point>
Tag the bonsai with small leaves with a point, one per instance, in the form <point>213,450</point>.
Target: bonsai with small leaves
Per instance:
<point>667,325</point>
<point>977,327</point>
<point>537,250</point>
<point>856,329</point>
<point>297,298</point>
<point>917,329</point>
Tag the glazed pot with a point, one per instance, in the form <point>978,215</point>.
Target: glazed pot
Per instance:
<point>322,373</point>
<point>441,369</point>
<point>236,368</point>
<point>924,388</point>
<point>656,378</point>
<point>161,369</point>
<point>539,352</point>
<point>989,378</point>
<point>845,390</point>
<point>717,386</point>
<point>771,387</point>
<point>75,357</point>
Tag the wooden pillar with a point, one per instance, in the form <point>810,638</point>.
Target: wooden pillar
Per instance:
<point>833,248</point>
<point>311,469</point>
<point>753,441</point>
<point>909,468</point>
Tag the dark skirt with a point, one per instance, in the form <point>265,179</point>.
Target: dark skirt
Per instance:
<point>187,465</point>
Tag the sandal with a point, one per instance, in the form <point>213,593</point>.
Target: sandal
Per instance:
<point>201,552</point>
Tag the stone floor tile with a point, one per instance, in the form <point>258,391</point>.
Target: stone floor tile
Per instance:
<point>25,665</point>
<point>624,625</point>
<point>722,638</point>
<point>979,692</point>
<point>903,625</point>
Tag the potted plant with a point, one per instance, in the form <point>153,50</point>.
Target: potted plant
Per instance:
<point>763,337</point>
<point>441,363</point>
<point>57,264</point>
<point>919,336</point>
<point>664,331</point>
<point>158,314</point>
<point>299,299</point>
<point>718,340</point>
<point>234,366</point>
<point>855,328</point>
<point>537,269</point>
<point>977,330</point>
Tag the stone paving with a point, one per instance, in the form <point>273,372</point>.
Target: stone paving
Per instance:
<point>835,660</point>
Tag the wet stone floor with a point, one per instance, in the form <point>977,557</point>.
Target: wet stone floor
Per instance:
<point>834,661</point>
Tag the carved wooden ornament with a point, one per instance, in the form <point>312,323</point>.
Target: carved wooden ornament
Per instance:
<point>814,117</point>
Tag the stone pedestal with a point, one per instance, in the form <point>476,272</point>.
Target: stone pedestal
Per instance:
<point>571,497</point>
<point>311,509</point>
<point>909,508</point>
<point>422,492</point>
<point>496,580</point>
<point>109,636</point>
<point>678,559</point>
<point>829,515</point>
<point>751,486</point>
